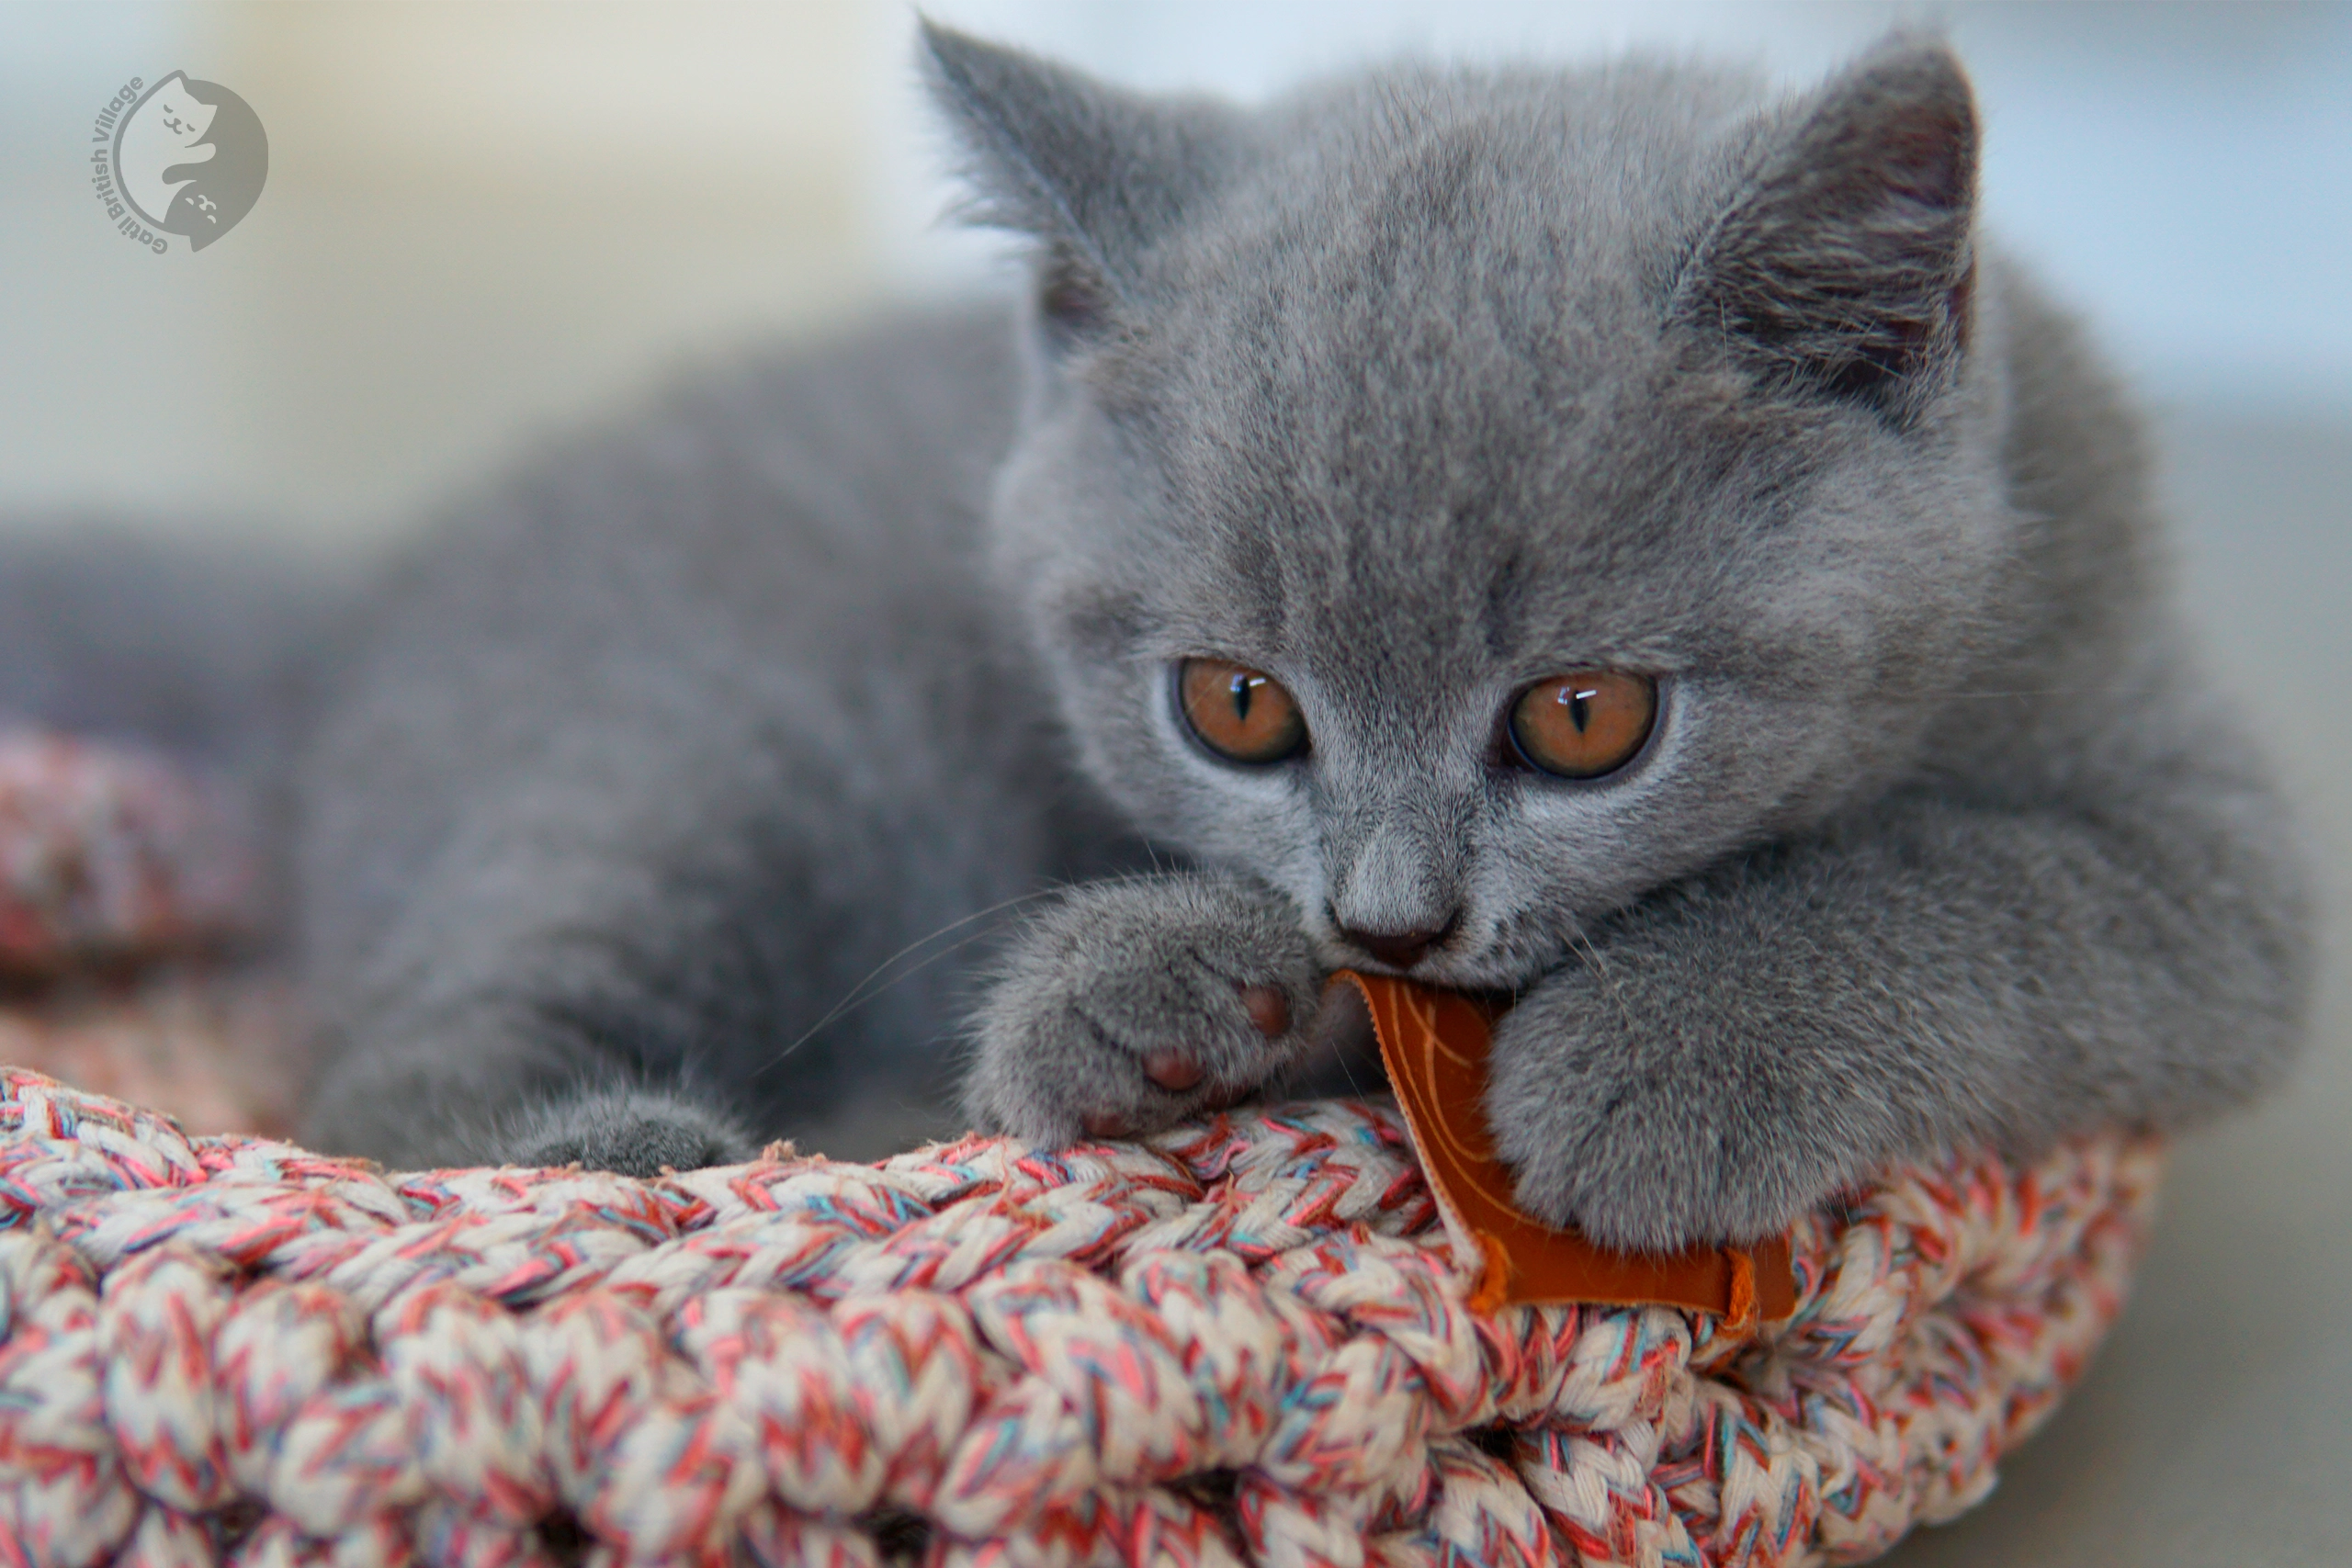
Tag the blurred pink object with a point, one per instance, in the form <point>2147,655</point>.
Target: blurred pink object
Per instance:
<point>111,854</point>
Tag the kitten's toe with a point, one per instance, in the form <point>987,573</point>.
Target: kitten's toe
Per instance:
<point>1174,1071</point>
<point>1269,1009</point>
<point>633,1132</point>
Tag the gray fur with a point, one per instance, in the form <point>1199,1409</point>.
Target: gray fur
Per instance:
<point>1410,389</point>
<point>655,755</point>
<point>209,649</point>
<point>108,631</point>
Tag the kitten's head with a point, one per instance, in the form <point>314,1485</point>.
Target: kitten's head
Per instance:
<point>1593,465</point>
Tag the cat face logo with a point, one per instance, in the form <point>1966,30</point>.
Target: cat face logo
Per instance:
<point>186,157</point>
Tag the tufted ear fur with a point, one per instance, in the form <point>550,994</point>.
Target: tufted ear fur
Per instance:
<point>1846,261</point>
<point>1098,175</point>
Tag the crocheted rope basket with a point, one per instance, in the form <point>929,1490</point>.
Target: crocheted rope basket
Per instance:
<point>1251,1340</point>
<point>1243,1342</point>
<point>109,853</point>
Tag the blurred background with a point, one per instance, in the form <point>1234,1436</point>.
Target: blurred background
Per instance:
<point>481,217</point>
<point>483,220</point>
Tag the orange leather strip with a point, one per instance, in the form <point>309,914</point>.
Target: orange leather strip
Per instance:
<point>1434,1045</point>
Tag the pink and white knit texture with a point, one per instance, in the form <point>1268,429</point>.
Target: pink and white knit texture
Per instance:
<point>1243,1342</point>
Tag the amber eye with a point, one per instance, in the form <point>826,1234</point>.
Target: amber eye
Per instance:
<point>1238,714</point>
<point>1585,723</point>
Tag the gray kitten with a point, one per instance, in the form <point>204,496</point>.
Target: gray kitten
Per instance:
<point>1606,537</point>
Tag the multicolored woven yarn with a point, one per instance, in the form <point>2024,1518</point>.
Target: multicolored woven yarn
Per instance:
<point>1242,1342</point>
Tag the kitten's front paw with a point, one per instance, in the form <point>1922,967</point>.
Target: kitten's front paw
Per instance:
<point>634,1132</point>
<point>1132,1005</point>
<point>1651,1136</point>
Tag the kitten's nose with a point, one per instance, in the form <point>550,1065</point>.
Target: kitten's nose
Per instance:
<point>1402,949</point>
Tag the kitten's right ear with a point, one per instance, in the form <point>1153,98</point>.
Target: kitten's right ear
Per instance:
<point>1847,262</point>
<point>1096,174</point>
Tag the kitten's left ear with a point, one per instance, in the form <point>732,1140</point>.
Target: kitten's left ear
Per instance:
<point>1098,174</point>
<point>1847,262</point>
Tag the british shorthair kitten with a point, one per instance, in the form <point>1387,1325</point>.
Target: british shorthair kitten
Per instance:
<point>1613,536</point>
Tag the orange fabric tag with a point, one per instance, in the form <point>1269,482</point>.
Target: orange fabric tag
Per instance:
<point>1434,1045</point>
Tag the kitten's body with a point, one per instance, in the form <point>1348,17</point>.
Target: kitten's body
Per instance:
<point>1407,391</point>
<point>672,745</point>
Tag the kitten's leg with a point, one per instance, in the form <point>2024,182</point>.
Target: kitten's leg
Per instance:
<point>1130,1004</point>
<point>472,1091</point>
<point>536,1005</point>
<point>628,955</point>
<point>1732,1051</point>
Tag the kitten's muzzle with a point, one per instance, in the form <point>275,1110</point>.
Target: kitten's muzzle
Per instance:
<point>1401,950</point>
